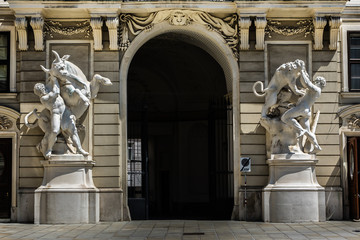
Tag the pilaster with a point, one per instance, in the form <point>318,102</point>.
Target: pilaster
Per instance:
<point>96,25</point>
<point>21,25</point>
<point>334,24</point>
<point>37,24</point>
<point>319,24</point>
<point>244,24</point>
<point>112,24</point>
<point>260,24</point>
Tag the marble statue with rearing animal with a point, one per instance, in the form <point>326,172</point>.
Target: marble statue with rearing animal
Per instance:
<point>286,113</point>
<point>66,96</point>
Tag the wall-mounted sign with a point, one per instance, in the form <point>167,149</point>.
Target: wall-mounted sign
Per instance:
<point>245,164</point>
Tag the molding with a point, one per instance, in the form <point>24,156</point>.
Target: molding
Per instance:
<point>37,23</point>
<point>319,24</point>
<point>8,95</point>
<point>96,24</point>
<point>112,24</point>
<point>244,24</point>
<point>21,25</point>
<point>260,24</point>
<point>334,24</point>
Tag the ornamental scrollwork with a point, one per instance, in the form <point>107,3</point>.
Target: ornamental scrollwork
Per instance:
<point>5,123</point>
<point>305,27</point>
<point>54,27</point>
<point>226,27</point>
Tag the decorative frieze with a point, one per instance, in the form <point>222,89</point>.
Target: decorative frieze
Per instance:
<point>5,123</point>
<point>37,24</point>
<point>21,25</point>
<point>334,24</point>
<point>112,24</point>
<point>96,24</point>
<point>226,27</point>
<point>260,24</point>
<point>244,24</point>
<point>54,27</point>
<point>305,27</point>
<point>319,24</point>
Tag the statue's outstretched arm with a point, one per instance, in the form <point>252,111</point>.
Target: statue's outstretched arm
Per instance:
<point>305,80</point>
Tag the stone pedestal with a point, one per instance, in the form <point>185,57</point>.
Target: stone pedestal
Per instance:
<point>67,193</point>
<point>293,193</point>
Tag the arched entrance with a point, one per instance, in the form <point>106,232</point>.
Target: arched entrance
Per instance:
<point>168,116</point>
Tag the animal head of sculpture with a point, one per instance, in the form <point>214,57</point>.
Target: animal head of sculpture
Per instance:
<point>63,69</point>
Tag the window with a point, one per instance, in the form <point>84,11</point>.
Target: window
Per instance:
<point>354,61</point>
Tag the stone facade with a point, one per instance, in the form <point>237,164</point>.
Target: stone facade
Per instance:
<point>248,41</point>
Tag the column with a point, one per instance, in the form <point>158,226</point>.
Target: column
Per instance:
<point>244,24</point>
<point>37,24</point>
<point>21,25</point>
<point>96,24</point>
<point>112,24</point>
<point>334,31</point>
<point>260,24</point>
<point>319,24</point>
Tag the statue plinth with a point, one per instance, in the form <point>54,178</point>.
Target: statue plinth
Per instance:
<point>293,193</point>
<point>67,193</point>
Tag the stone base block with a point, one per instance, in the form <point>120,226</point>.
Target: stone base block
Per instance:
<point>54,206</point>
<point>67,194</point>
<point>294,205</point>
<point>293,193</point>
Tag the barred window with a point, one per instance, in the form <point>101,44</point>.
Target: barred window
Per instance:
<point>354,61</point>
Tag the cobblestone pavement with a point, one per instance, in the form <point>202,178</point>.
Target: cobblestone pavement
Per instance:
<point>179,229</point>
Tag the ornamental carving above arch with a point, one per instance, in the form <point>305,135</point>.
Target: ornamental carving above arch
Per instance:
<point>226,27</point>
<point>350,117</point>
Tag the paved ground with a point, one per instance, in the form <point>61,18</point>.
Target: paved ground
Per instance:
<point>178,229</point>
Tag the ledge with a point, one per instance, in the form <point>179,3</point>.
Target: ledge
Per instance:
<point>8,95</point>
<point>350,94</point>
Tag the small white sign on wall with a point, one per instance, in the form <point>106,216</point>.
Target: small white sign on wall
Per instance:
<point>245,164</point>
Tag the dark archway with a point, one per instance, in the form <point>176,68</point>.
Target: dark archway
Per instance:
<point>178,133</point>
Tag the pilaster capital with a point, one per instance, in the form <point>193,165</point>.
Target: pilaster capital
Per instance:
<point>96,23</point>
<point>260,22</point>
<point>112,22</point>
<point>37,23</point>
<point>20,23</point>
<point>335,22</point>
<point>244,22</point>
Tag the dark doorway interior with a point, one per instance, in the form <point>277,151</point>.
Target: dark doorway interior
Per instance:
<point>353,176</point>
<point>179,132</point>
<point>5,177</point>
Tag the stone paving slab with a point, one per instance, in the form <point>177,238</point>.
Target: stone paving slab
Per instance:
<point>183,230</point>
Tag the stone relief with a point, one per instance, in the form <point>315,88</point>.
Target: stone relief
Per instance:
<point>305,27</point>
<point>55,27</point>
<point>226,27</point>
<point>286,113</point>
<point>66,96</point>
<point>354,122</point>
<point>5,123</point>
